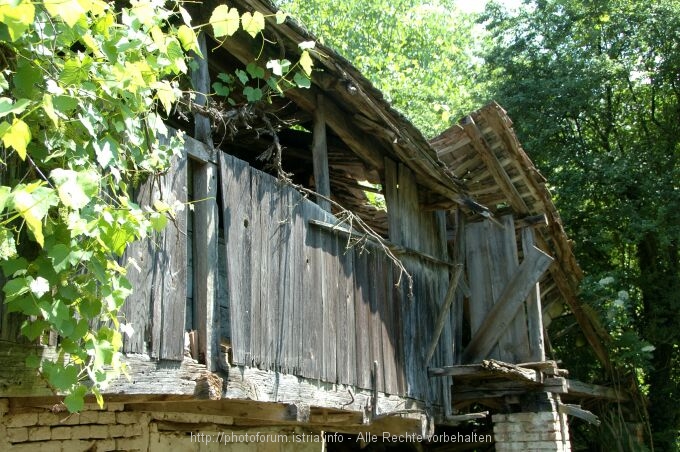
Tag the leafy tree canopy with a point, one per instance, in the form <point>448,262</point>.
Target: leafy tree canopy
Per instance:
<point>419,54</point>
<point>595,93</point>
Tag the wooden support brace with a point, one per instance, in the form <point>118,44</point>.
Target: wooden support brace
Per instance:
<point>577,411</point>
<point>441,319</point>
<point>456,419</point>
<point>535,263</point>
<point>396,249</point>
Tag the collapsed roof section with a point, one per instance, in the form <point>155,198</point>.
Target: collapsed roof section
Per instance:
<point>484,153</point>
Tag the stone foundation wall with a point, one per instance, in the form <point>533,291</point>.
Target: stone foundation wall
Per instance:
<point>113,429</point>
<point>542,431</point>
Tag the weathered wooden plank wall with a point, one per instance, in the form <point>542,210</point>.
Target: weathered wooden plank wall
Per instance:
<point>158,306</point>
<point>303,302</point>
<point>422,231</point>
<point>492,261</point>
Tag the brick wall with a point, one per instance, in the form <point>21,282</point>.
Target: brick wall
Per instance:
<point>113,429</point>
<point>541,431</point>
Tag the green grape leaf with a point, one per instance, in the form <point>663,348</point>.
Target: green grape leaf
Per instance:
<point>17,136</point>
<point>70,11</point>
<point>301,80</point>
<point>18,16</point>
<point>306,62</point>
<point>252,23</point>
<point>252,94</point>
<point>224,20</point>
<point>7,106</point>
<point>76,399</point>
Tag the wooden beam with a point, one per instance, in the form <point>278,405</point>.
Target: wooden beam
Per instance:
<point>396,249</point>
<point>444,312</point>
<point>581,389</point>
<point>535,263</point>
<point>264,412</point>
<point>200,79</point>
<point>205,233</point>
<point>577,411</point>
<point>456,419</point>
<point>494,389</point>
<point>495,167</point>
<point>533,307</point>
<point>147,376</point>
<point>488,368</point>
<point>320,156</point>
<point>533,221</point>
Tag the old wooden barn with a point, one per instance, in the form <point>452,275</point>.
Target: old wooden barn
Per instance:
<point>296,306</point>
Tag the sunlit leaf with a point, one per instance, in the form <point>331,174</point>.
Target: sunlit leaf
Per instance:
<point>225,21</point>
<point>281,17</point>
<point>70,11</point>
<point>7,106</point>
<point>17,136</point>
<point>306,62</point>
<point>188,39</point>
<point>18,16</point>
<point>252,23</point>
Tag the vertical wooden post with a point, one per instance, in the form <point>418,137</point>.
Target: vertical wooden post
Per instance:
<point>200,79</point>
<point>205,225</point>
<point>533,306</point>
<point>458,307</point>
<point>320,156</point>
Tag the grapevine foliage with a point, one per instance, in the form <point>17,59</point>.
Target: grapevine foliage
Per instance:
<point>84,89</point>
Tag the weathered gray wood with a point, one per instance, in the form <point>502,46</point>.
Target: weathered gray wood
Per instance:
<point>514,344</point>
<point>458,307</point>
<point>200,79</point>
<point>205,262</point>
<point>476,391</point>
<point>375,323</point>
<point>167,378</point>
<point>313,296</point>
<point>349,330</point>
<point>260,195</point>
<point>157,308</point>
<point>392,200</point>
<point>527,275</point>
<point>577,411</point>
<point>587,390</point>
<point>533,221</point>
<point>320,156</point>
<point>284,318</point>
<point>478,264</point>
<point>361,319</point>
<point>390,330</point>
<point>329,288</point>
<point>485,370</point>
<point>397,250</point>
<point>456,419</point>
<point>236,220</point>
<point>533,308</point>
<point>444,313</point>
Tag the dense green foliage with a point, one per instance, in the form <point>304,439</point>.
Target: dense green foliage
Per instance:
<point>85,87</point>
<point>594,89</point>
<point>84,90</point>
<point>419,54</point>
